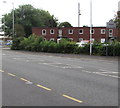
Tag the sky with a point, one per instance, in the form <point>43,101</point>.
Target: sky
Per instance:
<point>67,10</point>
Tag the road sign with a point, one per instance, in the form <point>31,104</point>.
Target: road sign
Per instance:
<point>111,24</point>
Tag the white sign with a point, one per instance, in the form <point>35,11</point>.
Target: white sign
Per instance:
<point>111,24</point>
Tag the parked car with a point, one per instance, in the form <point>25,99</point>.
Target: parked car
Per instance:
<point>1,42</point>
<point>83,43</point>
<point>9,42</point>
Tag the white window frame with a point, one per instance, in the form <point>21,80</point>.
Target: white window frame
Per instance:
<point>102,31</point>
<point>91,31</point>
<point>43,32</point>
<point>71,39</point>
<point>79,31</point>
<point>80,39</point>
<point>53,31</point>
<point>45,39</point>
<point>70,32</point>
<point>110,35</point>
<point>92,39</point>
<point>110,30</point>
<point>60,32</point>
<point>52,39</point>
<point>102,39</point>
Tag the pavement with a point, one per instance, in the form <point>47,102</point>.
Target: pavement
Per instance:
<point>46,79</point>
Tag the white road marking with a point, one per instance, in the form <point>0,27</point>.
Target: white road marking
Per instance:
<point>100,73</point>
<point>69,66</point>
<point>107,71</point>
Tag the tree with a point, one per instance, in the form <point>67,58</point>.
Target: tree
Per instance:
<point>65,24</point>
<point>117,21</point>
<point>19,30</point>
<point>26,17</point>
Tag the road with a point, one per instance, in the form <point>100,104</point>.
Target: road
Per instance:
<point>41,79</point>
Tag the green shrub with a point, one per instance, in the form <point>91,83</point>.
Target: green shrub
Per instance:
<point>34,43</point>
<point>16,43</point>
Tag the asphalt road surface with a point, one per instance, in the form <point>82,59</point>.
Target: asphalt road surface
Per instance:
<point>41,79</point>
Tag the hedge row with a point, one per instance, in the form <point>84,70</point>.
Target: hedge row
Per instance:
<point>38,44</point>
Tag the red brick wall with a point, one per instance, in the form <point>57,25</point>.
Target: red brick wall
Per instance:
<point>86,33</point>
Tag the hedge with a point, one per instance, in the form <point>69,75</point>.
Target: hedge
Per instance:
<point>38,44</point>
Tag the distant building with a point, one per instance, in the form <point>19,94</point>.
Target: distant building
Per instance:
<point>76,33</point>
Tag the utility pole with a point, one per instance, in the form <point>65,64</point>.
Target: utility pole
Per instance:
<point>90,27</point>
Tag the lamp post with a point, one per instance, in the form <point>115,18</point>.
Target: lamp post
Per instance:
<point>90,27</point>
<point>13,17</point>
<point>4,31</point>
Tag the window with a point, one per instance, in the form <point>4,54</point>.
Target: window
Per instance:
<point>110,31</point>
<point>110,35</point>
<point>43,32</point>
<point>45,39</point>
<point>51,31</point>
<point>60,32</point>
<point>70,31</point>
<point>92,31</point>
<point>102,31</point>
<point>92,40</point>
<point>80,39</point>
<point>102,40</point>
<point>71,39</point>
<point>52,39</point>
<point>81,31</point>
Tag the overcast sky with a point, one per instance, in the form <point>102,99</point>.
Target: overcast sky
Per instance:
<point>67,10</point>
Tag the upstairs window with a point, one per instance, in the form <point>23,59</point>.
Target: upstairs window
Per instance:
<point>92,31</point>
<point>51,31</point>
<point>43,32</point>
<point>102,31</point>
<point>81,31</point>
<point>110,31</point>
<point>70,31</point>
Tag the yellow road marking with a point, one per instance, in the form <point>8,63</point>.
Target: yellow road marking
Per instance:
<point>24,80</point>
<point>43,87</point>
<point>72,98</point>
<point>1,71</point>
<point>11,74</point>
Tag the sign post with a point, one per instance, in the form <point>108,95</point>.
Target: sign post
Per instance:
<point>109,25</point>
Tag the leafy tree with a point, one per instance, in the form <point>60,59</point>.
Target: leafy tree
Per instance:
<point>19,30</point>
<point>117,21</point>
<point>26,17</point>
<point>85,25</point>
<point>65,24</point>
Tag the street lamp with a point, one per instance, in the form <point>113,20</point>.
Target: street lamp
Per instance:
<point>12,17</point>
<point>4,30</point>
<point>90,27</point>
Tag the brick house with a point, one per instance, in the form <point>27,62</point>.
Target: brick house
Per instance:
<point>76,33</point>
